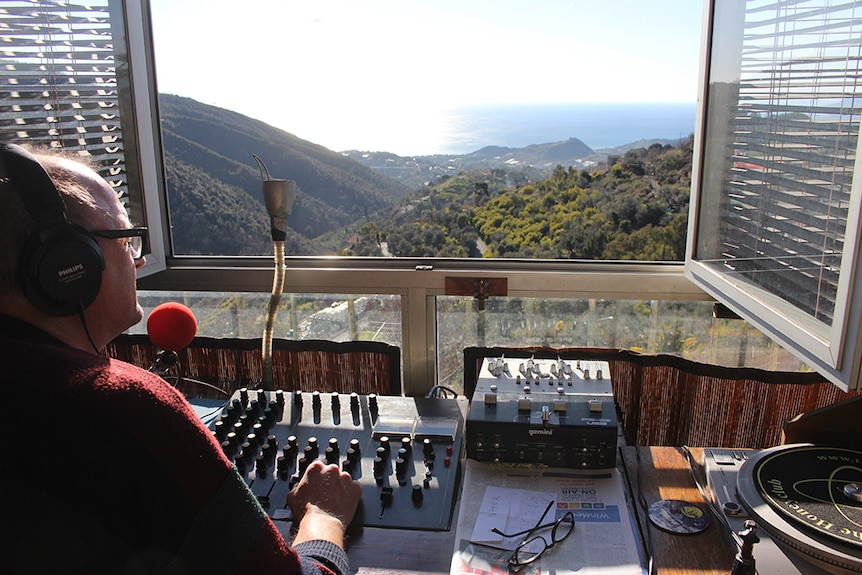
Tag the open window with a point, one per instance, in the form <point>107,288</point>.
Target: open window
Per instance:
<point>774,226</point>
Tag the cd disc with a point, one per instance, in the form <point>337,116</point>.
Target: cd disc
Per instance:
<point>679,517</point>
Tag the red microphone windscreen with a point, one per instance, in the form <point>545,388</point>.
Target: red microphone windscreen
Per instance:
<point>171,326</point>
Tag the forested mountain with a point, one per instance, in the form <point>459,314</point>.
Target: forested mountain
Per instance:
<point>210,165</point>
<point>635,210</point>
<point>489,205</point>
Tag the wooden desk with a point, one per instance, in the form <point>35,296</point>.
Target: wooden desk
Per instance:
<point>664,474</point>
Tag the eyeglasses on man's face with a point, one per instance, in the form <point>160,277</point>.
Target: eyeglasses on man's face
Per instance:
<point>135,238</point>
<point>533,546</point>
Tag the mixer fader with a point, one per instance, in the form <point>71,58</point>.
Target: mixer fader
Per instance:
<point>404,451</point>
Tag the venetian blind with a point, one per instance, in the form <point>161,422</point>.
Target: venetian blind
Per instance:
<point>793,114</point>
<point>59,82</point>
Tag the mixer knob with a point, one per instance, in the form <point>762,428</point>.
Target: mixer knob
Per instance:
<point>243,395</point>
<point>279,396</point>
<point>384,443</point>
<point>282,467</point>
<point>354,445</point>
<point>372,402</point>
<point>249,452</point>
<point>403,453</point>
<point>527,389</point>
<point>336,402</point>
<point>302,465</point>
<point>312,449</point>
<point>297,398</point>
<point>352,455</point>
<point>406,444</point>
<point>315,400</point>
<point>251,439</point>
<point>400,467</point>
<point>220,429</point>
<point>379,466</point>
<point>258,431</point>
<point>561,390</point>
<point>382,453</point>
<point>333,452</point>
<point>416,495</point>
<point>227,448</point>
<point>267,452</point>
<point>262,397</point>
<point>331,455</point>
<point>272,441</point>
<point>427,447</point>
<point>232,437</point>
<point>253,408</point>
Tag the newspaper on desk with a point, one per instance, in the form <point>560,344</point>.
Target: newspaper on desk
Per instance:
<point>512,498</point>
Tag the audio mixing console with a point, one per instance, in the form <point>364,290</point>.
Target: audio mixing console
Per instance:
<point>552,412</point>
<point>404,452</point>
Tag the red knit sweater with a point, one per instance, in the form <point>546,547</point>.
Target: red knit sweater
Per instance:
<point>106,469</point>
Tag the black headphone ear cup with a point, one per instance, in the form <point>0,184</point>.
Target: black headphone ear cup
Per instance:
<point>61,269</point>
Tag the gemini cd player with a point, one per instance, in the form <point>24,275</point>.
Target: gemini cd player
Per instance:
<point>552,412</point>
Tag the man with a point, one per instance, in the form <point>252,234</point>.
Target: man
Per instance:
<point>108,470</point>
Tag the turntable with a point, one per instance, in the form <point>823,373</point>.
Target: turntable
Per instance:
<point>806,500</point>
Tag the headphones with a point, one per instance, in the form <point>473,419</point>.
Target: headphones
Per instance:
<point>60,269</point>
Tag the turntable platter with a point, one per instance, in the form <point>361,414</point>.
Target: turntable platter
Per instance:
<point>808,497</point>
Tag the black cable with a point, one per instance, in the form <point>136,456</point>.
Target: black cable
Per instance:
<point>82,314</point>
<point>441,392</point>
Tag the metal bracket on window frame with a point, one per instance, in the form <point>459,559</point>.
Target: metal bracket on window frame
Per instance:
<point>479,288</point>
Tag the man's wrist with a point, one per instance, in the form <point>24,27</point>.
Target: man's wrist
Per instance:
<point>319,524</point>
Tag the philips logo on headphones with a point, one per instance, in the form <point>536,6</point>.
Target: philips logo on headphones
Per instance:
<point>70,271</point>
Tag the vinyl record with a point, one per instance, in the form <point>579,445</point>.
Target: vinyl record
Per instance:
<point>679,517</point>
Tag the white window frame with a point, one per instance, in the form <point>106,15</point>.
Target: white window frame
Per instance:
<point>835,351</point>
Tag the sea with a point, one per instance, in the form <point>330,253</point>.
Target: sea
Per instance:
<point>599,125</point>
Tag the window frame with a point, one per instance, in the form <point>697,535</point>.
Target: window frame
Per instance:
<point>835,351</point>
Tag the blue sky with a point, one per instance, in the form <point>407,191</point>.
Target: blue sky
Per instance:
<point>326,70</point>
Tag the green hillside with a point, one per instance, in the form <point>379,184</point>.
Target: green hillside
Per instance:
<point>635,210</point>
<point>332,189</point>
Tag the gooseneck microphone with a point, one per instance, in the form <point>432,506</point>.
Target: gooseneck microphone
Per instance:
<point>278,197</point>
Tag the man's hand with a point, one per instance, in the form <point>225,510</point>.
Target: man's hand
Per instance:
<point>323,503</point>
